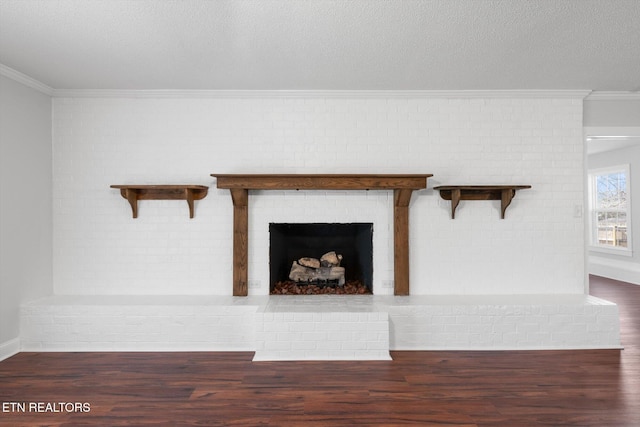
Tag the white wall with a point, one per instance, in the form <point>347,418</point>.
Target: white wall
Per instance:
<point>621,267</point>
<point>100,249</point>
<point>25,201</point>
<point>617,116</point>
<point>612,113</point>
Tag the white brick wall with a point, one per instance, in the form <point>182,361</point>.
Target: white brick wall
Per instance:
<point>321,335</point>
<point>318,327</point>
<point>134,323</point>
<point>322,327</point>
<point>100,249</point>
<point>530,322</point>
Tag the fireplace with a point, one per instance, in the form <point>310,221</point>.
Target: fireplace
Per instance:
<point>352,242</point>
<point>403,186</point>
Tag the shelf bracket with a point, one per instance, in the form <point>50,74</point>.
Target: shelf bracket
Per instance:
<point>507,197</point>
<point>132,197</point>
<point>455,201</point>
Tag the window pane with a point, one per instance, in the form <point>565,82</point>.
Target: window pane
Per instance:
<point>611,191</point>
<point>612,228</point>
<point>609,203</point>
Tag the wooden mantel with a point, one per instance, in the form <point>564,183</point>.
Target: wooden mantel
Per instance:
<point>240,184</point>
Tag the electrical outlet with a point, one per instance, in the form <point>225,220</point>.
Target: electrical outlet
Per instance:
<point>388,284</point>
<point>254,284</point>
<point>577,211</point>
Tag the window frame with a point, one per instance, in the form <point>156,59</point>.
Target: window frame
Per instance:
<point>593,211</point>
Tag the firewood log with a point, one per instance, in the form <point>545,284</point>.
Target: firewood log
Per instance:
<point>330,259</point>
<point>309,262</point>
<point>300,273</point>
<point>337,273</point>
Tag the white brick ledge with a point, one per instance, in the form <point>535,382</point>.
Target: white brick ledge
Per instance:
<point>365,327</point>
<point>321,328</point>
<point>515,322</point>
<point>139,323</point>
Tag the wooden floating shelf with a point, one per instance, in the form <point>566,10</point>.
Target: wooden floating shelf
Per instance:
<point>240,184</point>
<point>133,193</point>
<point>455,193</point>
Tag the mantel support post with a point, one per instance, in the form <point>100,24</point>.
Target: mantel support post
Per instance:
<point>240,198</point>
<point>401,199</point>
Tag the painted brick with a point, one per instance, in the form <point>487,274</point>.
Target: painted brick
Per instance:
<point>72,323</point>
<point>100,249</point>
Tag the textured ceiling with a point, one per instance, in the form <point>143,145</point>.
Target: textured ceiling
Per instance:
<point>319,44</point>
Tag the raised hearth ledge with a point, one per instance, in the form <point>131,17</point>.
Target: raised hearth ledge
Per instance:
<point>401,184</point>
<point>284,327</point>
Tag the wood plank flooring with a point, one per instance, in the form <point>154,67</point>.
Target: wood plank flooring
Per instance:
<point>515,388</point>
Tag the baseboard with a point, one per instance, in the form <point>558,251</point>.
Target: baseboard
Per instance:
<point>9,348</point>
<point>624,271</point>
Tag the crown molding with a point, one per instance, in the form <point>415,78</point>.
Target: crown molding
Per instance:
<point>25,80</point>
<point>338,94</point>
<point>613,96</point>
<point>612,131</point>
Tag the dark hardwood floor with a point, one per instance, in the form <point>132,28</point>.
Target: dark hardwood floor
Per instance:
<point>514,388</point>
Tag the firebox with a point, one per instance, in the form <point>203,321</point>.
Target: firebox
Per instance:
<point>352,242</point>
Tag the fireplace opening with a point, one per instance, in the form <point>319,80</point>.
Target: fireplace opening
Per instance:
<point>324,251</point>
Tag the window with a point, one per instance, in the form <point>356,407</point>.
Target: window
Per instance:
<point>609,205</point>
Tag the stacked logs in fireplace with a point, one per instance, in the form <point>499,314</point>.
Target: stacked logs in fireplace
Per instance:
<point>325,271</point>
